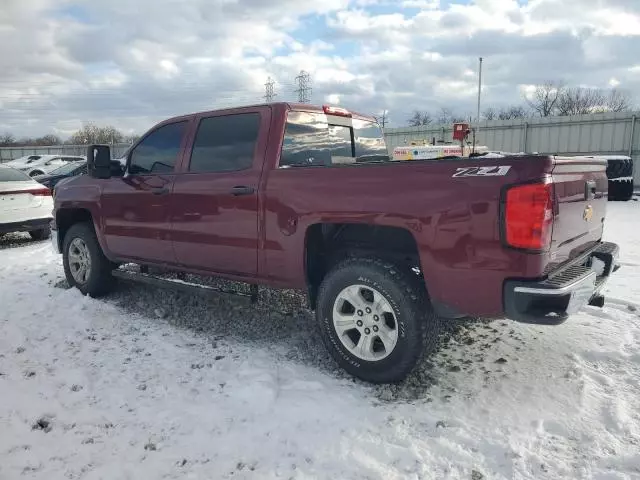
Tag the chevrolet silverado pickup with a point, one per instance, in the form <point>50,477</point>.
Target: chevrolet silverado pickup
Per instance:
<point>303,197</point>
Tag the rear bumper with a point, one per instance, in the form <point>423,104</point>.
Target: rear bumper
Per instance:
<point>567,290</point>
<point>25,225</point>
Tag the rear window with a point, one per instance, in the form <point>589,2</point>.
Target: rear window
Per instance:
<point>226,143</point>
<point>10,175</point>
<point>311,140</point>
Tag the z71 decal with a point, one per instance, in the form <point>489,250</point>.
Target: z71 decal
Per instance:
<point>482,171</point>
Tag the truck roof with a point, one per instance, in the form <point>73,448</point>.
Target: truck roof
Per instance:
<point>304,107</point>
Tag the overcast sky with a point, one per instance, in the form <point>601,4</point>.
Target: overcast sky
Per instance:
<point>131,63</point>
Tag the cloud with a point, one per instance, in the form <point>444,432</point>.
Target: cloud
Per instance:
<point>131,64</point>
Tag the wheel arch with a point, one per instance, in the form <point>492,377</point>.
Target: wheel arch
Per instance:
<point>328,243</point>
<point>68,216</point>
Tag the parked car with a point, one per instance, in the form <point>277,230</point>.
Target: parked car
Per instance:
<point>25,205</point>
<point>70,169</point>
<point>22,161</point>
<point>44,164</point>
<point>304,197</point>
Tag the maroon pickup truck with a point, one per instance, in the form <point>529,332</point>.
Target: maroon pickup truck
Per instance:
<point>304,197</point>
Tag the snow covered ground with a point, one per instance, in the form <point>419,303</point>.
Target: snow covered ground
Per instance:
<point>147,384</point>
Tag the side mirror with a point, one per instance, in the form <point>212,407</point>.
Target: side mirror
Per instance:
<point>117,169</point>
<point>99,161</point>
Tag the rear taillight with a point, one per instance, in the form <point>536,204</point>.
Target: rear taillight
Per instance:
<point>39,192</point>
<point>43,192</point>
<point>528,216</point>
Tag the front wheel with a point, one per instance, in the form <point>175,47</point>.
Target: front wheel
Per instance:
<point>85,266</point>
<point>375,319</point>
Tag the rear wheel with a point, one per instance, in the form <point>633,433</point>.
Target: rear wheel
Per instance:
<point>35,173</point>
<point>85,266</point>
<point>41,234</point>
<point>375,319</point>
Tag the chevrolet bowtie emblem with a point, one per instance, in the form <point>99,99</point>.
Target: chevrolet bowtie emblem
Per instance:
<point>588,213</point>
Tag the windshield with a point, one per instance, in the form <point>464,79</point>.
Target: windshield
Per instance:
<point>68,168</point>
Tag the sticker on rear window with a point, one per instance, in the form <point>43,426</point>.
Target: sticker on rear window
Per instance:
<point>499,171</point>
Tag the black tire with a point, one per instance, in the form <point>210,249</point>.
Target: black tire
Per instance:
<point>99,280</point>
<point>617,168</point>
<point>41,234</point>
<point>620,190</point>
<point>35,173</point>
<point>417,326</point>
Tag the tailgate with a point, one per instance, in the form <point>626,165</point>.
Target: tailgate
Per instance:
<point>581,188</point>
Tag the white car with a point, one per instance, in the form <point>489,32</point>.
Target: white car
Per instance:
<point>42,164</point>
<point>25,205</point>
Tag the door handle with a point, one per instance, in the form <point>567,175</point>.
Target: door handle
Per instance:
<point>160,190</point>
<point>590,190</point>
<point>242,190</point>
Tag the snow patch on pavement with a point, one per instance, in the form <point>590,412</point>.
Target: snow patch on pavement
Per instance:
<point>150,384</point>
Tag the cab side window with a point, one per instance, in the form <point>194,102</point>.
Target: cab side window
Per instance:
<point>158,152</point>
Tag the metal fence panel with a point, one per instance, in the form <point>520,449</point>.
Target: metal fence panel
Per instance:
<point>11,153</point>
<point>603,133</point>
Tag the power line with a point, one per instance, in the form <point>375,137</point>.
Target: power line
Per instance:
<point>304,89</point>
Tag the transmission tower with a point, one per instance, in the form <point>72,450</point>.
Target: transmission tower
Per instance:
<point>304,87</point>
<point>269,94</point>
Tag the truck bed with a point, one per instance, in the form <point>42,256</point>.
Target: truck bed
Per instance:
<point>451,207</point>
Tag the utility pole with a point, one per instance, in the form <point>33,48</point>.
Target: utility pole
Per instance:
<point>304,87</point>
<point>269,94</point>
<point>382,119</point>
<point>479,89</point>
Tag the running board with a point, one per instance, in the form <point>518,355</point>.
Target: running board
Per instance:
<point>181,285</point>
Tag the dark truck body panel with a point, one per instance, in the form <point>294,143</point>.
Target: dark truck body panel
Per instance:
<point>201,226</point>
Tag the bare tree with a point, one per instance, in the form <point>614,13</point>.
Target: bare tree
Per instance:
<point>420,119</point>
<point>7,139</point>
<point>415,120</point>
<point>490,114</point>
<point>49,140</point>
<point>445,116</point>
<point>426,118</point>
<point>618,101</point>
<point>91,133</point>
<point>544,99</point>
<point>580,101</point>
<point>514,111</point>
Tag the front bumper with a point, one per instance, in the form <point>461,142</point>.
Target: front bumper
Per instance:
<point>567,290</point>
<point>25,225</point>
